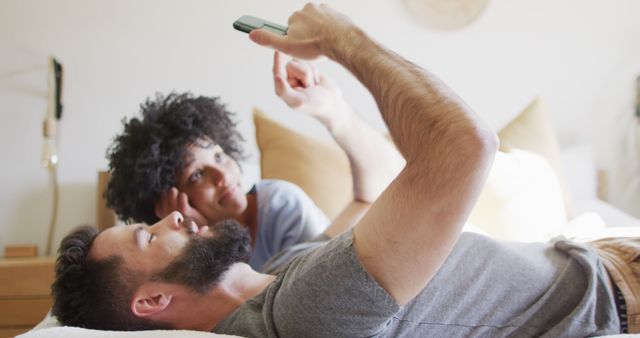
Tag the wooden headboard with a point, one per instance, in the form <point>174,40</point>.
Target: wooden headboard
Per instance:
<point>105,217</point>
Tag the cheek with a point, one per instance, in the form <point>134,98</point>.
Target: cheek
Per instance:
<point>169,249</point>
<point>201,196</point>
<point>234,169</point>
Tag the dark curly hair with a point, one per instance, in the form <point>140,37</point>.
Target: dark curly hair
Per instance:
<point>146,159</point>
<point>94,294</point>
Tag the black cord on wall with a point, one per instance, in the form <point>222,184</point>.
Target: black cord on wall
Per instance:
<point>50,152</point>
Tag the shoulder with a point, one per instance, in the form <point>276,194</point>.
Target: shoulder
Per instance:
<point>278,198</point>
<point>273,186</point>
<point>280,192</point>
<point>322,277</point>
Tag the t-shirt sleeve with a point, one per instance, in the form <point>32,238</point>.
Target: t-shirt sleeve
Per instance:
<point>277,262</point>
<point>287,216</point>
<point>327,293</point>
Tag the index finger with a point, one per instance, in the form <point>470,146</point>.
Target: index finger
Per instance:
<point>282,87</point>
<point>278,65</point>
<point>183,203</point>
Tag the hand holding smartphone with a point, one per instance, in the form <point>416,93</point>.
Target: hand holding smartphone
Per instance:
<point>247,23</point>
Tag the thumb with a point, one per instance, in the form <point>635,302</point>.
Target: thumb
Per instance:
<point>269,39</point>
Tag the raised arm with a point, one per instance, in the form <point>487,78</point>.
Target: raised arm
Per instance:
<point>373,159</point>
<point>409,231</point>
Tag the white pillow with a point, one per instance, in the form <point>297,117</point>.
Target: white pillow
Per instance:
<point>49,327</point>
<point>76,332</point>
<point>581,171</point>
<point>522,199</point>
<point>589,226</point>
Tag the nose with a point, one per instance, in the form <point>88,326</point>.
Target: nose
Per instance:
<point>218,176</point>
<point>172,221</point>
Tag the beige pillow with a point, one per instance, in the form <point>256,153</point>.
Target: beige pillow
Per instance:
<point>521,201</point>
<point>532,130</point>
<point>319,167</point>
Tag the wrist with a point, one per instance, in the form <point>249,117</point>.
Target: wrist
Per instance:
<point>342,43</point>
<point>340,120</point>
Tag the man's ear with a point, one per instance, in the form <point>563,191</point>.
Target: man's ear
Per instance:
<point>150,299</point>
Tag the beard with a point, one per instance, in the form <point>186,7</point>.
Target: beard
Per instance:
<point>204,260</point>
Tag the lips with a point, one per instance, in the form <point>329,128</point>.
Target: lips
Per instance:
<point>231,189</point>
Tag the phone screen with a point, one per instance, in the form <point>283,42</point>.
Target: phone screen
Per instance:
<point>247,23</point>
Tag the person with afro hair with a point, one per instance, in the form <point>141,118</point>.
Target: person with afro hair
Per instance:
<point>183,155</point>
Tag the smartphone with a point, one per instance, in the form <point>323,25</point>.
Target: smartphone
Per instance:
<point>247,23</point>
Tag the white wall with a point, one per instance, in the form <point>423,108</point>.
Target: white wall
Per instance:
<point>581,56</point>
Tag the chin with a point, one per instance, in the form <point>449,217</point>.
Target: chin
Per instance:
<point>240,205</point>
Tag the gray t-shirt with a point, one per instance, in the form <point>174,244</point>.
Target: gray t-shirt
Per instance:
<point>286,216</point>
<point>484,288</point>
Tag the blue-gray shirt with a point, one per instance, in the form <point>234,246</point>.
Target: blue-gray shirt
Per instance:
<point>286,216</point>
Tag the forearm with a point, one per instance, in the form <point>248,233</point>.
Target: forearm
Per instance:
<point>373,158</point>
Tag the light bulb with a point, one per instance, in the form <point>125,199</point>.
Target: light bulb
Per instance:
<point>49,148</point>
<point>49,153</point>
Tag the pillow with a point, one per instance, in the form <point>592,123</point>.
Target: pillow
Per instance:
<point>49,327</point>
<point>521,200</point>
<point>522,192</point>
<point>582,172</point>
<point>319,167</point>
<point>77,332</point>
<point>533,131</point>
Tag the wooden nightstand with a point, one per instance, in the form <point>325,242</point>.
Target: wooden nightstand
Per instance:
<point>25,293</point>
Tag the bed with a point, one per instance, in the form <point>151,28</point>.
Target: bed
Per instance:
<point>535,191</point>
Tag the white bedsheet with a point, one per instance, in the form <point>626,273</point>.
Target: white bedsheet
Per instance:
<point>75,332</point>
<point>49,328</point>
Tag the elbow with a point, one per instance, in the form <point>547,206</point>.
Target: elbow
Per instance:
<point>488,141</point>
<point>458,147</point>
<point>481,144</point>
